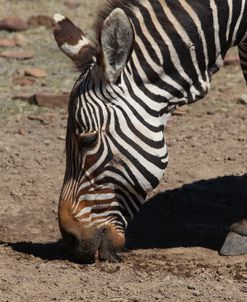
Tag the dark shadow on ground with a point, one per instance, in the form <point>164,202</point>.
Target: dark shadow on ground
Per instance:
<point>46,251</point>
<point>197,214</point>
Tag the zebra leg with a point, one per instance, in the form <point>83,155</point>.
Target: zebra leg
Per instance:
<point>242,49</point>
<point>236,241</point>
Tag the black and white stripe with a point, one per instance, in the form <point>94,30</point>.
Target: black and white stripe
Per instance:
<point>178,46</point>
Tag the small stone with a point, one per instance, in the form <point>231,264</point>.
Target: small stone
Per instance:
<point>52,100</point>
<point>22,131</point>
<point>243,289</point>
<point>23,97</point>
<point>35,72</point>
<point>46,142</point>
<point>20,40</point>
<point>23,81</point>
<point>13,23</point>
<point>62,137</point>
<point>180,111</point>
<point>7,43</point>
<point>39,118</point>
<point>72,4</point>
<point>196,293</point>
<point>222,271</point>
<point>231,60</point>
<point>18,55</point>
<point>234,245</point>
<point>242,100</point>
<point>40,20</point>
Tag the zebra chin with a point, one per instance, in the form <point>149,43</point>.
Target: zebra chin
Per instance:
<point>91,244</point>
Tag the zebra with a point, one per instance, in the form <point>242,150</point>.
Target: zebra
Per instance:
<point>140,61</point>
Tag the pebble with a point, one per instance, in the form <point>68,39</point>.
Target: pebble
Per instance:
<point>40,20</point>
<point>191,287</point>
<point>23,81</point>
<point>243,289</point>
<point>72,4</point>
<point>20,40</point>
<point>242,100</point>
<point>196,293</point>
<point>13,23</point>
<point>7,43</point>
<point>22,131</point>
<point>18,55</point>
<point>52,100</point>
<point>62,137</point>
<point>35,72</point>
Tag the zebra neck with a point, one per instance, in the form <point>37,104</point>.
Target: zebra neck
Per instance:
<point>178,47</point>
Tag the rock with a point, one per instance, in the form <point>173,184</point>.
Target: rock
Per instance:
<point>242,100</point>
<point>62,137</point>
<point>41,20</point>
<point>191,287</point>
<point>45,99</point>
<point>52,100</point>
<point>20,40</point>
<point>39,118</point>
<point>7,43</point>
<point>50,116</point>
<point>231,60</point>
<point>243,289</point>
<point>18,55</point>
<point>23,97</point>
<point>234,245</point>
<point>13,23</point>
<point>22,131</point>
<point>23,81</point>
<point>180,111</point>
<point>72,4</point>
<point>35,72</point>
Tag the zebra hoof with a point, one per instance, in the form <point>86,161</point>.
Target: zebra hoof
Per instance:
<point>234,245</point>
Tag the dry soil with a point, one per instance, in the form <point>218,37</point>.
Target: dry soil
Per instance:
<point>172,248</point>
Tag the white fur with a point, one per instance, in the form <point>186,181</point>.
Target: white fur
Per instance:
<point>73,50</point>
<point>58,18</point>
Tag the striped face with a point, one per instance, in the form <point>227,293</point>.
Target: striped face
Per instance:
<point>114,156</point>
<point>112,162</point>
<point>133,74</point>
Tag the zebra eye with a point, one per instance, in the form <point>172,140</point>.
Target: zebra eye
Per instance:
<point>87,139</point>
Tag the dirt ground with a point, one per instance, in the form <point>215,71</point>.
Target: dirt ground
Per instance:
<point>172,248</point>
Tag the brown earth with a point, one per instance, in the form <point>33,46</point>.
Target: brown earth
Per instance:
<point>172,244</point>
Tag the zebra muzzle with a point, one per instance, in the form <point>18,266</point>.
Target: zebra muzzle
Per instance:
<point>102,245</point>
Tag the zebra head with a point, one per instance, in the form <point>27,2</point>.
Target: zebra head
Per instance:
<point>113,159</point>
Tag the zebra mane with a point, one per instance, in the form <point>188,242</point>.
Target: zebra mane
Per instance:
<point>110,5</point>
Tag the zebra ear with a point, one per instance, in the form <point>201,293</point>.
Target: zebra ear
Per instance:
<point>72,41</point>
<point>117,39</point>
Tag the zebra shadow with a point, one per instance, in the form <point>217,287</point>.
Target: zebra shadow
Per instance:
<point>197,214</point>
<point>46,251</point>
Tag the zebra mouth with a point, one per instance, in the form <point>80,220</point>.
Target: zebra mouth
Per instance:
<point>99,248</point>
